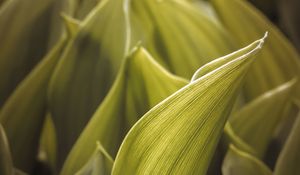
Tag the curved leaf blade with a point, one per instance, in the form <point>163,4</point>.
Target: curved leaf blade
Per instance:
<point>86,71</point>
<point>256,122</point>
<point>277,64</point>
<point>237,162</point>
<point>100,163</point>
<point>6,165</point>
<point>288,160</point>
<point>140,85</point>
<point>180,134</point>
<point>30,98</point>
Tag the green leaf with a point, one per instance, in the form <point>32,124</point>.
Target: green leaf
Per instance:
<point>140,85</point>
<point>256,122</point>
<point>179,36</point>
<point>48,142</point>
<point>6,165</point>
<point>86,71</point>
<point>277,64</point>
<point>289,158</point>
<point>23,34</point>
<point>100,163</point>
<point>83,8</point>
<point>232,137</point>
<point>23,114</point>
<point>237,162</point>
<point>180,134</point>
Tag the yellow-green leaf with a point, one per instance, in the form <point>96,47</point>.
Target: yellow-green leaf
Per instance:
<point>289,158</point>
<point>48,142</point>
<point>237,162</point>
<point>180,36</point>
<point>86,71</point>
<point>256,122</point>
<point>100,163</point>
<point>23,114</point>
<point>6,165</point>
<point>277,64</point>
<point>140,85</point>
<point>180,134</point>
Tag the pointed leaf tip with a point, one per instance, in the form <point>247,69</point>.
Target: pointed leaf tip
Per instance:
<point>242,53</point>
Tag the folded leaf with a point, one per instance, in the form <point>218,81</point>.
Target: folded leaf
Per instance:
<point>180,134</point>
<point>237,162</point>
<point>277,64</point>
<point>231,136</point>
<point>99,164</point>
<point>256,122</point>
<point>180,36</point>
<point>6,165</point>
<point>140,85</point>
<point>289,158</point>
<point>86,71</point>
<point>23,114</point>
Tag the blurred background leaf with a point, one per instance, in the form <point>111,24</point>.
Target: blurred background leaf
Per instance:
<point>86,71</point>
<point>237,162</point>
<point>277,64</point>
<point>23,114</point>
<point>140,85</point>
<point>288,160</point>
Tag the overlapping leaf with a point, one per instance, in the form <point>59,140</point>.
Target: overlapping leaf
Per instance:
<point>178,35</point>
<point>48,143</point>
<point>237,162</point>
<point>86,71</point>
<point>22,116</point>
<point>180,134</point>
<point>100,163</point>
<point>23,34</point>
<point>141,84</point>
<point>288,160</point>
<point>256,122</point>
<point>6,165</point>
<point>277,64</point>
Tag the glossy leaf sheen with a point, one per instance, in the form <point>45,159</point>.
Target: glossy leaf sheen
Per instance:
<point>180,134</point>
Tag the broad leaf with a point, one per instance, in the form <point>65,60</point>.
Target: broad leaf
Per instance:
<point>256,122</point>
<point>86,71</point>
<point>140,85</point>
<point>289,158</point>
<point>180,134</point>
<point>100,163</point>
<point>277,64</point>
<point>237,162</point>
<point>23,126</point>
<point>23,40</point>
<point>180,36</point>
<point>6,165</point>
